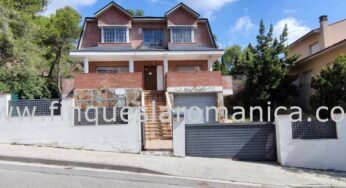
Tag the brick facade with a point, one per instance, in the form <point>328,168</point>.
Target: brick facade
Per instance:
<point>103,81</point>
<point>181,17</point>
<point>113,16</point>
<point>195,79</point>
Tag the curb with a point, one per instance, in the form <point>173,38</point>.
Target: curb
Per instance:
<point>142,171</point>
<point>78,164</point>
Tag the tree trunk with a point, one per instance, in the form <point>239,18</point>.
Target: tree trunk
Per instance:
<point>57,60</point>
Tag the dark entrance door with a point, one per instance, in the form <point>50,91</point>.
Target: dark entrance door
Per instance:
<point>150,78</point>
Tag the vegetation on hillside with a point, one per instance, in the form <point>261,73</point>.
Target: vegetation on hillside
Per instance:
<point>264,68</point>
<point>34,48</point>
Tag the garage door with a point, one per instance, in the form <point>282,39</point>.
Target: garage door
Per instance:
<point>248,141</point>
<point>192,114</point>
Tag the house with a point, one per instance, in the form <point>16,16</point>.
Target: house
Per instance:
<point>317,50</point>
<point>136,60</point>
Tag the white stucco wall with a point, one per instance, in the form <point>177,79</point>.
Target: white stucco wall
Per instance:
<point>178,136</point>
<point>62,133</point>
<point>324,154</point>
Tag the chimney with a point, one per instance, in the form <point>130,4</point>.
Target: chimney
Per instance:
<point>324,36</point>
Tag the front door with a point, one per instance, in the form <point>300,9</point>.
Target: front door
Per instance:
<point>150,78</point>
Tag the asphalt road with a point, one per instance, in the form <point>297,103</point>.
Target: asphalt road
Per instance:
<point>21,175</point>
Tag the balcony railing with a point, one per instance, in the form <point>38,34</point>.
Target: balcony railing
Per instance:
<point>114,80</point>
<point>194,79</point>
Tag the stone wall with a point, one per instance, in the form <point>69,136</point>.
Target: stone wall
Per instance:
<point>107,97</point>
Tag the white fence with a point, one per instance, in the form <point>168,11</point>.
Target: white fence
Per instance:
<point>325,154</point>
<point>59,131</point>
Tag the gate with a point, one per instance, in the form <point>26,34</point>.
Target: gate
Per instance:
<point>248,141</point>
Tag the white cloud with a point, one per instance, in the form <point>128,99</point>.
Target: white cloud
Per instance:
<point>207,7</point>
<point>243,24</point>
<point>296,28</point>
<point>290,11</point>
<point>56,4</point>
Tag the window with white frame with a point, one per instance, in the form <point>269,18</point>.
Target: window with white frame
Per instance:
<point>112,69</point>
<point>114,34</point>
<point>314,48</point>
<point>182,34</point>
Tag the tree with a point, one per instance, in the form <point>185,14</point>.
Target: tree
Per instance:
<point>21,57</point>
<point>62,29</point>
<point>230,59</point>
<point>137,12</point>
<point>330,86</point>
<point>265,67</point>
<point>31,44</point>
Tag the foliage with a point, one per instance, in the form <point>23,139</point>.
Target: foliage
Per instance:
<point>330,85</point>
<point>230,59</point>
<point>265,67</point>
<point>24,82</point>
<point>137,12</point>
<point>31,44</point>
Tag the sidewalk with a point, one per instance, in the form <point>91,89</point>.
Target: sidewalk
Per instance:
<point>206,168</point>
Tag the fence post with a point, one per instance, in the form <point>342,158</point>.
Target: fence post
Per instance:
<point>4,105</point>
<point>178,134</point>
<point>66,110</point>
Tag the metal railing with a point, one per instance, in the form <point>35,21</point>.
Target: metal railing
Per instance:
<point>34,107</point>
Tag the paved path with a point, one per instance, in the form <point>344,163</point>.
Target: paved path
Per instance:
<point>204,168</point>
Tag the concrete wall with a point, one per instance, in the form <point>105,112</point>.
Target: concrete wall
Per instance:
<point>325,154</point>
<point>62,133</point>
<point>178,135</point>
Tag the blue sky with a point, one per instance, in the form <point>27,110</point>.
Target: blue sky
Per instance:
<point>232,21</point>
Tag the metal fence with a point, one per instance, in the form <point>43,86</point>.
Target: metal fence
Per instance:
<point>35,107</point>
<point>314,130</point>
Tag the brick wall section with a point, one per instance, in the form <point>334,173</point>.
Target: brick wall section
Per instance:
<point>94,64</point>
<point>202,36</point>
<point>92,35</point>
<point>101,81</point>
<point>181,17</point>
<point>114,16</point>
<point>194,79</point>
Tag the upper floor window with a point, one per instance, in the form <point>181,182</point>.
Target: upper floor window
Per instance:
<point>182,34</point>
<point>314,48</point>
<point>153,38</point>
<point>114,35</point>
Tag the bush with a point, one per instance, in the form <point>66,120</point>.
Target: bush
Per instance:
<point>330,86</point>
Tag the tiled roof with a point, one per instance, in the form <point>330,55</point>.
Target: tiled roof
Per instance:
<point>321,51</point>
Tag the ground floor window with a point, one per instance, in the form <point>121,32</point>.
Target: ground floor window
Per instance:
<point>188,68</point>
<point>111,69</point>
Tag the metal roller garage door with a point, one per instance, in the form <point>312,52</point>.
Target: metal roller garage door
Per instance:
<point>252,142</point>
<point>196,100</point>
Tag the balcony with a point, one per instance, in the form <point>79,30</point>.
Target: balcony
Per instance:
<point>102,81</point>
